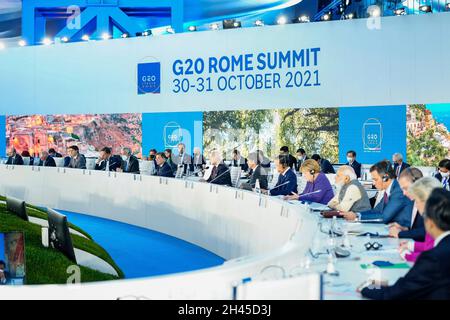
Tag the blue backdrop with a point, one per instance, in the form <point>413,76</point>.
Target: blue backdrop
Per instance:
<point>2,136</point>
<point>165,130</point>
<point>2,247</point>
<point>375,133</point>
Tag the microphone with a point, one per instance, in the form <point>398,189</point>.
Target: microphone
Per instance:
<point>283,184</point>
<point>309,193</point>
<point>228,170</point>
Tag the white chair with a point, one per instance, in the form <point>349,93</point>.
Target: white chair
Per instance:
<point>273,182</point>
<point>146,167</point>
<point>90,163</point>
<point>179,172</point>
<point>235,173</point>
<point>59,162</point>
<point>303,287</point>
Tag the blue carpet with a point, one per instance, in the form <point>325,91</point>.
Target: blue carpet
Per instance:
<point>141,252</point>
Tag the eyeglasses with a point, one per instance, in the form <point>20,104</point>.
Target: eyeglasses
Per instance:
<point>373,246</point>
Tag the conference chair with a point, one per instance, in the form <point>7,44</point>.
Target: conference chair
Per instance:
<point>59,162</point>
<point>26,161</point>
<point>235,173</point>
<point>90,163</point>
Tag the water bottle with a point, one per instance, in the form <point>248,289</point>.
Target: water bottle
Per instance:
<point>257,187</point>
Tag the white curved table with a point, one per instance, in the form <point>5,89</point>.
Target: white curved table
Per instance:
<point>250,231</point>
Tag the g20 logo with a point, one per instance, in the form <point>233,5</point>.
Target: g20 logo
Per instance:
<point>372,134</point>
<point>149,77</point>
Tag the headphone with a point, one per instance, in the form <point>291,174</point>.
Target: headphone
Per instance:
<point>312,172</point>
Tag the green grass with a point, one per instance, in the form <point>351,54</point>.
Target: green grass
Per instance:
<point>48,266</point>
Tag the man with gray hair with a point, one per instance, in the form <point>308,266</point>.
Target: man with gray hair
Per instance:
<point>399,164</point>
<point>46,160</point>
<point>258,173</point>
<point>351,195</point>
<point>130,164</point>
<point>220,173</point>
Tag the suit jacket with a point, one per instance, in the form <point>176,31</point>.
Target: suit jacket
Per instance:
<point>292,161</point>
<point>285,189</point>
<point>417,231</point>
<point>259,174</point>
<point>357,167</point>
<point>114,163</point>
<point>16,160</point>
<point>49,162</point>
<point>78,163</point>
<point>398,208</point>
<point>326,166</point>
<point>67,160</point>
<point>429,278</point>
<point>164,171</point>
<point>404,166</point>
<point>133,165</point>
<point>222,176</point>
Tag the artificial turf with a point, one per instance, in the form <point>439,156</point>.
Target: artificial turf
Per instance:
<point>48,266</point>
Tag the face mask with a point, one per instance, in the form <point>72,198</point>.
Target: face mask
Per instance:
<point>445,174</point>
<point>124,158</point>
<point>350,160</point>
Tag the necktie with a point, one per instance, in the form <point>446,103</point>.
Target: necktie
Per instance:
<point>398,171</point>
<point>214,173</point>
<point>445,183</point>
<point>385,198</point>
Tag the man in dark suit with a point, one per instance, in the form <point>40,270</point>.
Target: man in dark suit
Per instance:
<point>429,278</point>
<point>301,157</point>
<point>258,173</point>
<point>220,173</point>
<point>416,230</point>
<point>77,160</point>
<point>239,161</point>
<point>394,206</point>
<point>399,164</point>
<point>287,180</point>
<point>14,158</point>
<point>163,169</point>
<point>284,150</point>
<point>52,153</point>
<point>46,160</point>
<point>108,162</point>
<point>130,164</point>
<point>443,175</point>
<point>351,161</point>
<point>325,165</point>
<point>198,160</point>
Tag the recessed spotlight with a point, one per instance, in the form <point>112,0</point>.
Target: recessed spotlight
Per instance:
<point>259,23</point>
<point>124,35</point>
<point>426,8</point>
<point>192,28</point>
<point>214,26</point>
<point>326,16</point>
<point>105,36</point>
<point>65,39</point>
<point>170,30</point>
<point>85,37</point>
<point>22,43</point>
<point>2,46</point>
<point>282,20</point>
<point>46,41</point>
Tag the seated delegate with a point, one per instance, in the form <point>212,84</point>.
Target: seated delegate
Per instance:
<point>393,207</point>
<point>318,188</point>
<point>220,173</point>
<point>351,195</point>
<point>429,278</point>
<point>416,230</point>
<point>163,169</point>
<point>287,180</point>
<point>420,192</point>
